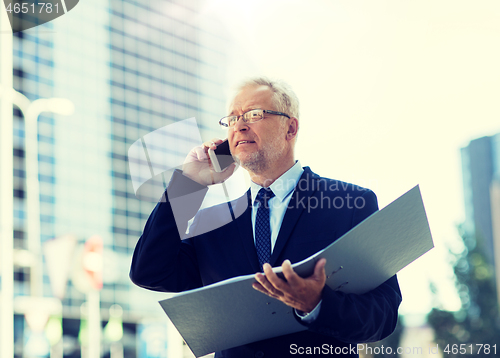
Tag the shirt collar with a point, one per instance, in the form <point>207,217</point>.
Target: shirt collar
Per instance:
<point>284,185</point>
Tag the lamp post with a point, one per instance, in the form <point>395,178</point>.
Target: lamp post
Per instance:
<point>31,111</point>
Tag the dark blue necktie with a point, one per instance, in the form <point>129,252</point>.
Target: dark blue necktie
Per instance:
<point>263,226</point>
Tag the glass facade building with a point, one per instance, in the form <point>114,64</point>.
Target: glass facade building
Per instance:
<point>130,68</point>
<point>481,178</point>
<point>480,169</point>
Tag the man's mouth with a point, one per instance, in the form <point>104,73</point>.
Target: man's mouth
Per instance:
<point>244,142</point>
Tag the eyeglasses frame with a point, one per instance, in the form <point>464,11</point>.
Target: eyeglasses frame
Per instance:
<point>243,114</point>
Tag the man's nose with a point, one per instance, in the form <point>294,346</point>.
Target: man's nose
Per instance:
<point>240,125</point>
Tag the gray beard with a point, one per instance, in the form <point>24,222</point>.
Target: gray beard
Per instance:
<point>255,163</point>
<point>261,160</point>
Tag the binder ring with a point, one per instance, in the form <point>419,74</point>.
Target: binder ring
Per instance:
<point>342,285</point>
<point>337,270</point>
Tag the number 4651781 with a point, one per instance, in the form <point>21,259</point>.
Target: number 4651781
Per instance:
<point>470,348</point>
<point>24,8</point>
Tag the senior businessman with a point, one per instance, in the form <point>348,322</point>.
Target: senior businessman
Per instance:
<point>273,224</point>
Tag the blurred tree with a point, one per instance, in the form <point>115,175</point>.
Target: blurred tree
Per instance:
<point>478,320</point>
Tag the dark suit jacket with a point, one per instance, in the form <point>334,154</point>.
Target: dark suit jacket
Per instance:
<point>217,248</point>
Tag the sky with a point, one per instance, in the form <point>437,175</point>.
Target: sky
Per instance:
<point>390,91</point>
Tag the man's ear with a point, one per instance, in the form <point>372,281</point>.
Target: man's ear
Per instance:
<point>293,127</point>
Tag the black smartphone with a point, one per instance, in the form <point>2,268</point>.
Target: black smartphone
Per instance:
<point>221,157</point>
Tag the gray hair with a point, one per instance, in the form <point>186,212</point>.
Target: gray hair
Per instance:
<point>285,99</point>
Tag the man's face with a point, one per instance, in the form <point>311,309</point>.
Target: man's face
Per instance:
<point>265,140</point>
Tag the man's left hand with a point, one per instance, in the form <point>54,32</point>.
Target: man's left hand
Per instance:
<point>300,293</point>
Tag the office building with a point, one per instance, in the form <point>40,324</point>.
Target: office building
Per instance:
<point>481,179</point>
<point>130,68</point>
<point>480,167</point>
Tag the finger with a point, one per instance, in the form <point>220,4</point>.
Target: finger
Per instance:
<point>274,280</point>
<point>268,286</point>
<point>218,141</point>
<point>261,288</point>
<point>201,155</point>
<point>291,276</point>
<point>208,145</point>
<point>212,144</point>
<point>319,270</point>
<point>262,280</point>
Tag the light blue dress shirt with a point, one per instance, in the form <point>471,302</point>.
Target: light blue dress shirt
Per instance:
<point>282,188</point>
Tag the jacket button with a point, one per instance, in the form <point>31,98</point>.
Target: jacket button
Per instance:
<point>259,354</point>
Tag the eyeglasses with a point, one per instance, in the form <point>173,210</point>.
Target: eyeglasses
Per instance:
<point>251,116</point>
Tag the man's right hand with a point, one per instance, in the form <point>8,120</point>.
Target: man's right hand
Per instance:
<point>198,167</point>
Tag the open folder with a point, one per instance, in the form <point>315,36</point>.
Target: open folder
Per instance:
<point>231,313</point>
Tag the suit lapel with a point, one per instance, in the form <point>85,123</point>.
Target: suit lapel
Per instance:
<point>297,205</point>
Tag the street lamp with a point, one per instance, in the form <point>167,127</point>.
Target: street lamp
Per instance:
<point>31,111</point>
